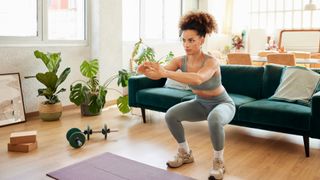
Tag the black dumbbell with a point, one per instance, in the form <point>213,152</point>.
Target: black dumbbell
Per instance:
<point>75,137</point>
<point>104,131</point>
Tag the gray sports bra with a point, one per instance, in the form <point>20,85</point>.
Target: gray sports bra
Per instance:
<point>212,83</point>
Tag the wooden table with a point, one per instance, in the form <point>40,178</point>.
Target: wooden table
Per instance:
<point>311,62</point>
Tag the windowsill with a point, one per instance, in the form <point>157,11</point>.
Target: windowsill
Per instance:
<point>53,44</point>
<point>155,42</point>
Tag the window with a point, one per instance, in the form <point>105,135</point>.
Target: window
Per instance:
<point>283,14</point>
<point>130,20</point>
<point>153,19</point>
<point>20,21</point>
<point>66,20</point>
<point>42,21</point>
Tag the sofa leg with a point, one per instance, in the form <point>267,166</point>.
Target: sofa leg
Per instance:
<point>143,112</point>
<point>306,145</point>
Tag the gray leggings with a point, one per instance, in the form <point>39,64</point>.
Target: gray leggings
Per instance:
<point>218,110</point>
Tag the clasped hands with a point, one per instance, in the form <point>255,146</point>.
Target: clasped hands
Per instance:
<point>152,70</point>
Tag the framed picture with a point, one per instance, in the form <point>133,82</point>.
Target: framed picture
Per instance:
<point>11,100</point>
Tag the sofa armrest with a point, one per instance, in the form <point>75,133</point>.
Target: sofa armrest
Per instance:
<point>139,82</point>
<point>315,120</point>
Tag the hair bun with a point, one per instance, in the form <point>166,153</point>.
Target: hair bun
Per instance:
<point>204,23</point>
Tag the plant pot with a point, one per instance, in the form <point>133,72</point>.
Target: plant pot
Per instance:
<point>50,112</point>
<point>85,111</point>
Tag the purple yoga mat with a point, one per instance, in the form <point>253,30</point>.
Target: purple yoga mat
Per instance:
<point>110,166</point>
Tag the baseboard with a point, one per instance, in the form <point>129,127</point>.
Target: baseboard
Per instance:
<point>69,107</point>
<point>110,103</point>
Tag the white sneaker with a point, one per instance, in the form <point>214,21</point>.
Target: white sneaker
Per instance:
<point>181,158</point>
<point>218,170</point>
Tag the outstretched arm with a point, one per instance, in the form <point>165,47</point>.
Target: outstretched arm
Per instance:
<point>151,73</point>
<point>193,78</point>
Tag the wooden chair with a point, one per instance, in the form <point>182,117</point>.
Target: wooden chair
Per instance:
<point>302,54</point>
<point>315,55</point>
<point>239,58</point>
<point>282,58</point>
<point>265,53</point>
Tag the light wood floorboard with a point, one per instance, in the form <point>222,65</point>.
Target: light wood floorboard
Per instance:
<point>250,154</point>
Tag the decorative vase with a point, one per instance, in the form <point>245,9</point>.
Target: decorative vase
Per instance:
<point>50,112</point>
<point>85,111</point>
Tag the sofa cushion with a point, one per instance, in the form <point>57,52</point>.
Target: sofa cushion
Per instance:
<point>297,85</point>
<point>243,80</point>
<point>271,79</point>
<point>240,99</point>
<point>170,83</point>
<point>277,114</point>
<point>163,98</point>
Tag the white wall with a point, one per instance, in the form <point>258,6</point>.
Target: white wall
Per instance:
<point>107,40</point>
<point>22,60</point>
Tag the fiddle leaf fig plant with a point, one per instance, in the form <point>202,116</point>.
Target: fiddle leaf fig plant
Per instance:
<point>50,79</point>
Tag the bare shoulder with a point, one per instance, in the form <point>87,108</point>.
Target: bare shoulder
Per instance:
<point>177,61</point>
<point>212,61</point>
<point>174,64</point>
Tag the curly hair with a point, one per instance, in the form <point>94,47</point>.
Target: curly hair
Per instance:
<point>203,23</point>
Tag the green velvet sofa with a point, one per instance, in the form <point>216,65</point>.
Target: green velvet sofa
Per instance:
<point>249,87</point>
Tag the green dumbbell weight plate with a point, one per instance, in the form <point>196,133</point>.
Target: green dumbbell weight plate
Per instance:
<point>75,138</point>
<point>71,131</point>
<point>88,132</point>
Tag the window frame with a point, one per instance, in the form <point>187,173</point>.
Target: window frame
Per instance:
<point>142,31</point>
<point>42,31</point>
<point>292,11</point>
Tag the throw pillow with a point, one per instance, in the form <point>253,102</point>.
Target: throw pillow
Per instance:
<point>297,85</point>
<point>170,83</point>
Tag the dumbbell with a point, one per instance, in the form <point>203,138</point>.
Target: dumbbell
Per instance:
<point>76,138</point>
<point>104,131</point>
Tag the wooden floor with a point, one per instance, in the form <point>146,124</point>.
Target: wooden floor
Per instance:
<point>249,154</point>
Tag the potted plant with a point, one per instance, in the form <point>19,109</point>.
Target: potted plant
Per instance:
<point>238,41</point>
<point>142,53</point>
<point>51,109</point>
<point>91,95</point>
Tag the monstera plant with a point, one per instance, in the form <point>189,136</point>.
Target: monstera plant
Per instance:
<point>91,95</point>
<point>51,109</point>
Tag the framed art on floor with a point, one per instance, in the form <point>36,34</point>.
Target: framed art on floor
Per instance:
<point>11,99</point>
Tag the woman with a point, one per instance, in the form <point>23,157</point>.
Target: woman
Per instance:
<point>202,73</point>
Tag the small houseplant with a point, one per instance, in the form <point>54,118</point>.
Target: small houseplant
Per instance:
<point>51,109</point>
<point>142,53</point>
<point>91,95</point>
<point>238,41</point>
